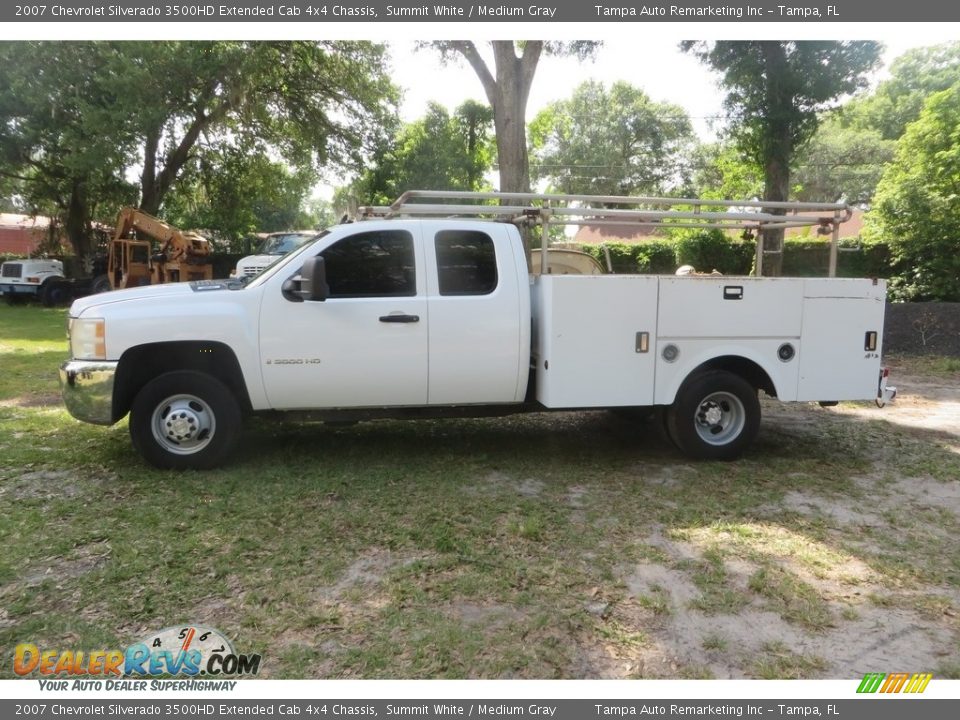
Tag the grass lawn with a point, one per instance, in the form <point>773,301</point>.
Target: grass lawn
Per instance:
<point>543,546</point>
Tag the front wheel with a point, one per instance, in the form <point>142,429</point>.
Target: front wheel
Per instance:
<point>55,292</point>
<point>185,420</point>
<point>715,416</point>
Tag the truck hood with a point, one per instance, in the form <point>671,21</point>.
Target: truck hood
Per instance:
<point>150,292</point>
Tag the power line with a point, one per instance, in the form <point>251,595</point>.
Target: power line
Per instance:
<point>698,166</point>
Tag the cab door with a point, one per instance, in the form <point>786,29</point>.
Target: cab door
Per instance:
<point>479,314</point>
<point>366,344</point>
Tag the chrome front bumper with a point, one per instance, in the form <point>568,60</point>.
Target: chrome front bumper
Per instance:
<point>87,390</point>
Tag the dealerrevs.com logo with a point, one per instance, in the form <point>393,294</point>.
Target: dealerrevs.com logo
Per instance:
<point>186,651</point>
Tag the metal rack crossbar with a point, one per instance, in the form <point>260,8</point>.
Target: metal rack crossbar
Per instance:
<point>673,213</point>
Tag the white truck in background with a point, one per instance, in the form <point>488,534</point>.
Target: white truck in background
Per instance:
<point>273,247</point>
<point>431,310</point>
<point>38,279</point>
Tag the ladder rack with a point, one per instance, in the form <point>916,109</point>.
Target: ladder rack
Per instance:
<point>546,210</point>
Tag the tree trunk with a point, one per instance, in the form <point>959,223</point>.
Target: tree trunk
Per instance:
<point>777,150</point>
<point>149,194</point>
<point>514,78</point>
<point>155,185</point>
<point>507,94</point>
<point>512,142</point>
<point>776,189</point>
<point>77,222</point>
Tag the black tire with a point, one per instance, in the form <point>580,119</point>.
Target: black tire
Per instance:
<point>663,426</point>
<point>185,420</point>
<point>55,292</point>
<point>100,284</point>
<point>715,416</point>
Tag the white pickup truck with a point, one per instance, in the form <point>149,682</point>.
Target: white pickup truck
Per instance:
<point>426,316</point>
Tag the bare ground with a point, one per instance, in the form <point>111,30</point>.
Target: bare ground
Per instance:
<point>860,623</point>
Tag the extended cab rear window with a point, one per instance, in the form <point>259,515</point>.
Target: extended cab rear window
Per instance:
<point>466,262</point>
<point>379,263</point>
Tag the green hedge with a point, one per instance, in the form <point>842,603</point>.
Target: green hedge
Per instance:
<point>645,258</point>
<point>713,250</point>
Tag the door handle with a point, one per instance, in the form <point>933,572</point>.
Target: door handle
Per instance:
<point>400,318</point>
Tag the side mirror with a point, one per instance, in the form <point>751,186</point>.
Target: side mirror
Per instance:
<point>313,280</point>
<point>310,284</point>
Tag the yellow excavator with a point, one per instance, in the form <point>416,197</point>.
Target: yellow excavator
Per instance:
<point>145,250</point>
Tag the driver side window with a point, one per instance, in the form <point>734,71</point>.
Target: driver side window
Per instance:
<point>379,263</point>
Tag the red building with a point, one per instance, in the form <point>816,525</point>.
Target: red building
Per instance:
<point>22,234</point>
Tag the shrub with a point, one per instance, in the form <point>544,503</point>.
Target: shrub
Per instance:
<point>709,250</point>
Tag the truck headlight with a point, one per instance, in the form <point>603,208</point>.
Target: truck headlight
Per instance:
<point>87,338</point>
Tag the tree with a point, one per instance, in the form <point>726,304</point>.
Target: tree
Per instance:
<point>722,172</point>
<point>775,93</point>
<point>915,207</point>
<point>439,151</point>
<point>236,193</point>
<point>507,88</point>
<point>616,142</point>
<point>841,164</point>
<point>76,117</point>
<point>315,103</point>
<point>60,142</point>
<point>898,100</point>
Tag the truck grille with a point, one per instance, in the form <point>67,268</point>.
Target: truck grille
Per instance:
<point>12,270</point>
<point>252,270</point>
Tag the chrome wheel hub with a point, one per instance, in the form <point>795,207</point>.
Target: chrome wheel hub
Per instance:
<point>720,418</point>
<point>183,424</point>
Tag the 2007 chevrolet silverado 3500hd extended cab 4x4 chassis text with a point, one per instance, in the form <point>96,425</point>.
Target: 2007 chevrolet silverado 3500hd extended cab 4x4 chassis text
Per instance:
<point>427,310</point>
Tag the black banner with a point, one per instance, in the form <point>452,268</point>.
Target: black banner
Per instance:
<point>542,11</point>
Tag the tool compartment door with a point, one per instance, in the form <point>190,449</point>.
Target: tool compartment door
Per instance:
<point>835,361</point>
<point>588,344</point>
<point>715,306</point>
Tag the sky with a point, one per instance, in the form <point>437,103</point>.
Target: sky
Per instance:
<point>655,65</point>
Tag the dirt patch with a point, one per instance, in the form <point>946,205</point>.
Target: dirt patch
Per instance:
<point>929,493</point>
<point>502,483</point>
<point>32,400</point>
<point>839,514</point>
<point>60,569</point>
<point>921,404</point>
<point>575,496</point>
<point>492,616</point>
<point>46,484</point>
<point>683,641</point>
<point>367,571</point>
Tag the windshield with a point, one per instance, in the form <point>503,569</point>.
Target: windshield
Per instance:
<point>284,260</point>
<point>283,243</point>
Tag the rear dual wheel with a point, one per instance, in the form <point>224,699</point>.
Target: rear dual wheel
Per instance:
<point>716,416</point>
